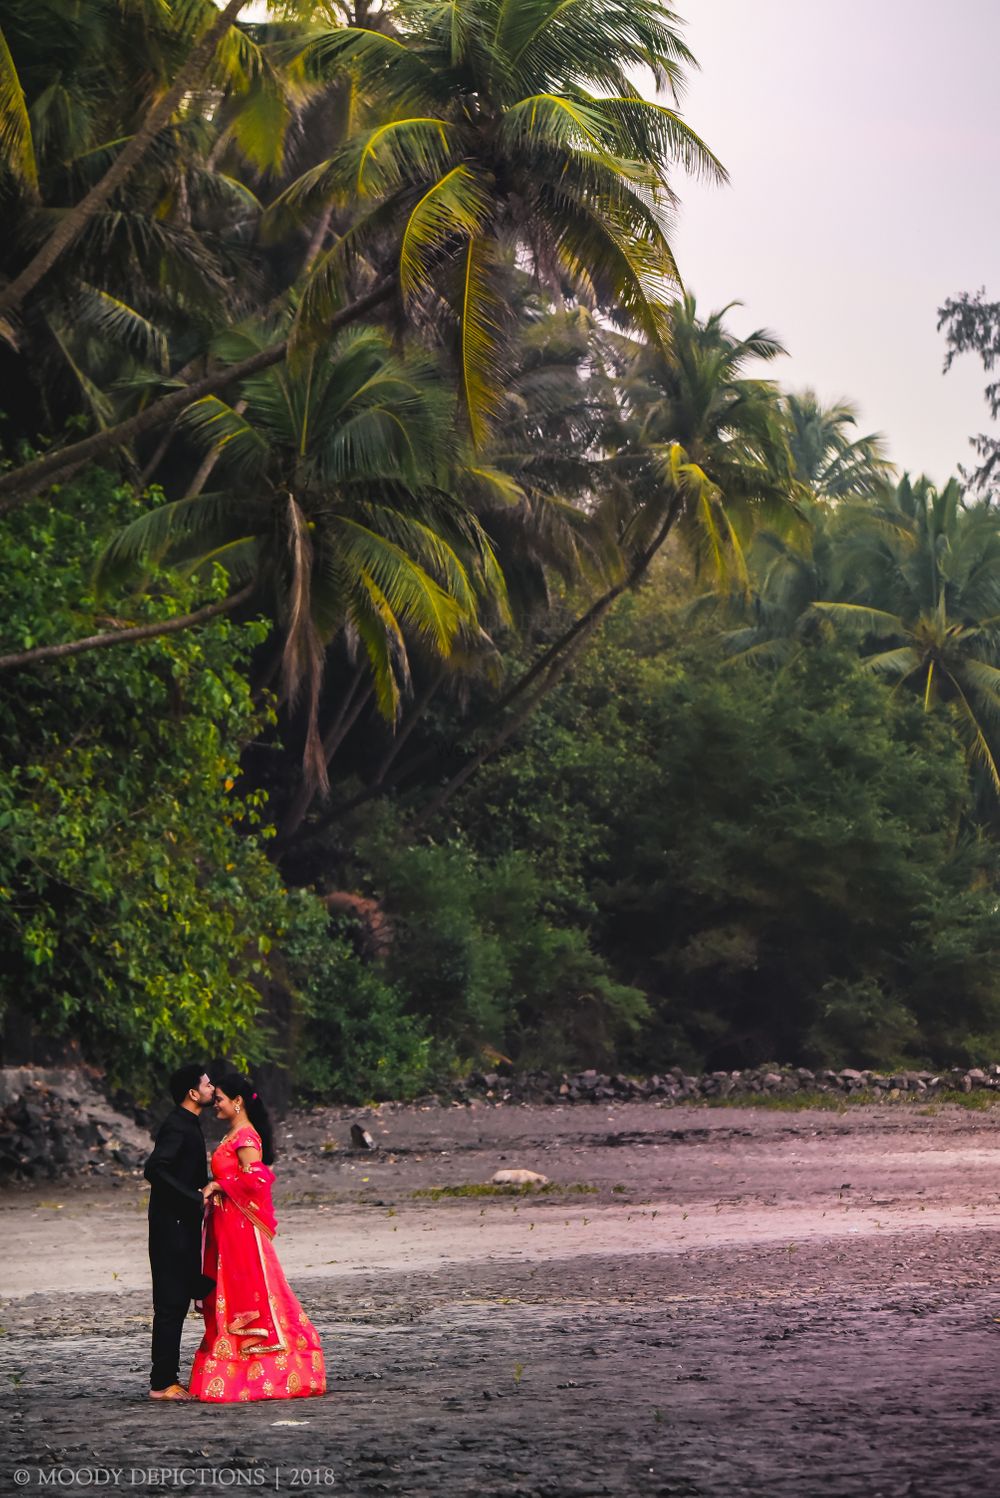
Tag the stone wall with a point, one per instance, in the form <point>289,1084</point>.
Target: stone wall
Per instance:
<point>677,1086</point>
<point>55,1122</point>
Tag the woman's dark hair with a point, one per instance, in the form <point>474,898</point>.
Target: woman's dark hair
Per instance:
<point>234,1084</point>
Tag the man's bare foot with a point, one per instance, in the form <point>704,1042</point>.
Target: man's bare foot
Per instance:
<point>172,1391</point>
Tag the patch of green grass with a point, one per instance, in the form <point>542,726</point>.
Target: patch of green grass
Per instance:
<point>979,1099</point>
<point>435,1193</point>
<point>782,1102</point>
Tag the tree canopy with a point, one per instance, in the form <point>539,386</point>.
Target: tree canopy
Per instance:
<point>430,632</point>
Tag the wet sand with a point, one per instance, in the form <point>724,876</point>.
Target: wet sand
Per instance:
<point>708,1302</point>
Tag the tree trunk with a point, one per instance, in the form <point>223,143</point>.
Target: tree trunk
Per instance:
<point>75,220</point>
<point>319,234</point>
<point>160,451</point>
<point>208,462</point>
<point>544,685</point>
<point>548,671</point>
<point>335,735</point>
<point>420,706</point>
<point>21,483</point>
<point>125,636</point>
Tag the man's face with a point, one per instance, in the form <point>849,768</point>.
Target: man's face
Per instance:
<point>205,1091</point>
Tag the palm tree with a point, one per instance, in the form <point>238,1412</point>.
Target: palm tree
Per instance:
<point>915,581</point>
<point>338,510</point>
<point>504,127</point>
<point>828,457</point>
<point>696,444</point>
<point>512,128</point>
<point>203,40</point>
<point>164,262</point>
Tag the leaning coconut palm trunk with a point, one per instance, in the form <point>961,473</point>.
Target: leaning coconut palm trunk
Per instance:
<point>302,657</point>
<point>72,223</point>
<point>683,484</point>
<point>20,484</point>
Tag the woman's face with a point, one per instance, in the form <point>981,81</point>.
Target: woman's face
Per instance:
<point>227,1108</point>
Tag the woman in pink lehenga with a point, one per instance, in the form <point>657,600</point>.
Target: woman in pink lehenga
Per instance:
<point>258,1343</point>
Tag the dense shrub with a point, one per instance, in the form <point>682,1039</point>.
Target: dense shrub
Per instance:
<point>137,906</point>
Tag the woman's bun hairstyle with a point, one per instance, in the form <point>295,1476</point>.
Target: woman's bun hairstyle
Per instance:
<point>234,1084</point>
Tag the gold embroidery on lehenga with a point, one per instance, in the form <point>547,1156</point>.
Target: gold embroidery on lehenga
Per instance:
<point>256,1369</point>
<point>216,1388</point>
<point>279,1345</point>
<point>294,1383</point>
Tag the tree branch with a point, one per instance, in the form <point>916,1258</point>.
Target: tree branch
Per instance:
<point>21,483</point>
<point>75,220</point>
<point>126,636</point>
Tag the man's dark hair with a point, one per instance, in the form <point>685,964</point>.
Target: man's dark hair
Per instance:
<point>184,1078</point>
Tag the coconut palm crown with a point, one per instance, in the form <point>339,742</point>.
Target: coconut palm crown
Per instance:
<point>500,126</point>
<point>337,506</point>
<point>828,456</point>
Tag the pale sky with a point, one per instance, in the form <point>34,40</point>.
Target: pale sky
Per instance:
<point>863,144</point>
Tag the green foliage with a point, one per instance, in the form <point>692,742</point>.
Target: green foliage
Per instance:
<point>137,907</point>
<point>798,853</point>
<point>356,1043</point>
<point>476,953</point>
<point>782,864</point>
<point>681,859</point>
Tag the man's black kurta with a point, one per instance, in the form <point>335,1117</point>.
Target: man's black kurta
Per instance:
<point>176,1171</point>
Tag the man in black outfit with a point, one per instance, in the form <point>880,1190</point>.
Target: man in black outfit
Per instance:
<point>177,1173</point>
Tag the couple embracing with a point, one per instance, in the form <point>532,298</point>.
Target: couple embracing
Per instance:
<point>211,1241</point>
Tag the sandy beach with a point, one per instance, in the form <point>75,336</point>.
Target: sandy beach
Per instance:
<point>706,1301</point>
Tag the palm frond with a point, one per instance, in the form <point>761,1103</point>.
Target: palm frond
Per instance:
<point>215,425</point>
<point>859,616</point>
<point>382,64</point>
<point>175,531</point>
<point>110,318</point>
<point>411,593</point>
<point>480,339</point>
<point>454,209</point>
<point>16,145</point>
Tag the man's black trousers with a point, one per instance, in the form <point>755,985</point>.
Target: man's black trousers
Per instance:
<point>175,1259</point>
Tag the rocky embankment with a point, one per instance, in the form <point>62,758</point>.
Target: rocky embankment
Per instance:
<point>56,1123</point>
<point>678,1086</point>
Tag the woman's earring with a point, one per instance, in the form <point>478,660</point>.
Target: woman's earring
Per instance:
<point>237,1106</point>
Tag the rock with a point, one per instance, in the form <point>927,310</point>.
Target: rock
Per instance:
<point>360,1138</point>
<point>44,1131</point>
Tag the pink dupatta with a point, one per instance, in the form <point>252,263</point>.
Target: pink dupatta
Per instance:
<point>233,1255</point>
